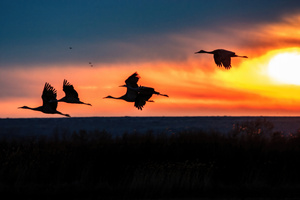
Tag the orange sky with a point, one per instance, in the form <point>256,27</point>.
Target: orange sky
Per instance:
<point>195,85</point>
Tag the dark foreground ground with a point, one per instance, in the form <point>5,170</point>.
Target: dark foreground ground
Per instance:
<point>120,125</point>
<point>252,161</point>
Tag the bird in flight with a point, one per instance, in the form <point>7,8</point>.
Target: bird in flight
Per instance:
<point>131,94</point>
<point>137,94</point>
<point>71,96</point>
<point>144,94</point>
<point>222,57</point>
<point>49,102</point>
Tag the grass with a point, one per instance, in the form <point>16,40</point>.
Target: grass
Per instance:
<point>249,162</point>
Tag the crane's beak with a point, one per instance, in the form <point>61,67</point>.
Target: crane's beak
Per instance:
<point>122,86</point>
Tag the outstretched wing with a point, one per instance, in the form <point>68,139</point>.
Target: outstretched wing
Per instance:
<point>145,93</point>
<point>217,60</point>
<point>132,80</point>
<point>69,90</point>
<point>49,97</point>
<point>226,61</point>
<point>223,58</point>
<point>132,87</point>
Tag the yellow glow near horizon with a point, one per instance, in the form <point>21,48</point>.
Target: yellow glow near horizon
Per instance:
<point>285,68</point>
<point>198,88</point>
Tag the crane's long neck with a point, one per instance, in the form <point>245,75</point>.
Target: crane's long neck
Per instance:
<point>210,52</point>
<point>202,51</point>
<point>111,97</point>
<point>29,108</point>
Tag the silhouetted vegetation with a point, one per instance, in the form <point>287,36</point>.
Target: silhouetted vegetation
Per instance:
<point>250,161</point>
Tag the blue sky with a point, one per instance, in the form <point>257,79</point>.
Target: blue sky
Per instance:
<point>156,38</point>
<point>36,32</point>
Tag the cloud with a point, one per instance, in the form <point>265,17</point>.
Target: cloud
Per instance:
<point>262,37</point>
<point>35,33</point>
<point>165,60</point>
<point>11,83</point>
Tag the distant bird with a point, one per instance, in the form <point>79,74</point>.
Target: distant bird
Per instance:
<point>137,94</point>
<point>222,57</point>
<point>91,64</point>
<point>49,102</point>
<point>71,96</point>
<point>70,47</point>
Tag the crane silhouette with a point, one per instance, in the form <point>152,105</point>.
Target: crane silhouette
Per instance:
<point>144,94</point>
<point>222,57</point>
<point>131,94</point>
<point>71,96</point>
<point>49,102</point>
<point>137,94</point>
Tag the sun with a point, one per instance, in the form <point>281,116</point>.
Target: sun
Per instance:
<point>285,68</point>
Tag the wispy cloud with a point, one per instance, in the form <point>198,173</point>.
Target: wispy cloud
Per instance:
<point>165,60</point>
<point>262,37</point>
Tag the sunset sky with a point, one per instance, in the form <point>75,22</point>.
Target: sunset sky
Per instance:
<point>156,39</point>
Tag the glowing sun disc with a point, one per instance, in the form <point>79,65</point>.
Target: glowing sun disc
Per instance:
<point>285,68</point>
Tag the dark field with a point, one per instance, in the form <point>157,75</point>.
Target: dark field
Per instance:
<point>252,160</point>
<point>120,125</point>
